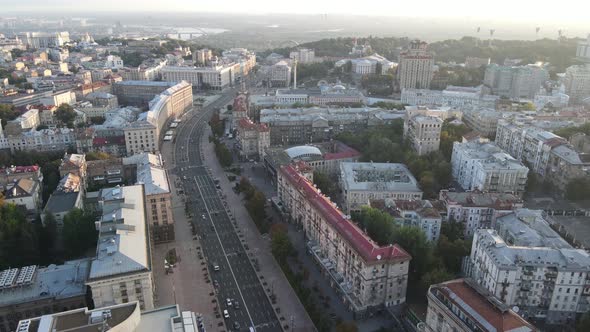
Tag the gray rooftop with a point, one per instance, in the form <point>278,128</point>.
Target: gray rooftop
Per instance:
<point>62,202</point>
<point>525,238</point>
<point>377,177</point>
<point>123,243</point>
<point>55,281</point>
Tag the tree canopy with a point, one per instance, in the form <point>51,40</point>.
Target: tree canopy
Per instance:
<point>79,232</point>
<point>7,113</point>
<point>66,115</point>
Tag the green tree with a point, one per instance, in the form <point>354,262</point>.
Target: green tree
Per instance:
<point>413,240</point>
<point>281,245</point>
<point>379,225</point>
<point>324,183</point>
<point>434,277</point>
<point>246,187</point>
<point>578,189</point>
<point>66,115</point>
<point>79,232</point>
<point>584,323</point>
<point>217,126</point>
<point>7,113</point>
<point>18,238</point>
<point>452,252</point>
<point>47,238</point>
<point>223,154</point>
<point>99,155</point>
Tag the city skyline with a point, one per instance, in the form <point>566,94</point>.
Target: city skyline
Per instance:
<point>528,10</point>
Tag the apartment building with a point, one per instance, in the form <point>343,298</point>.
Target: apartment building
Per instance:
<point>14,173</point>
<point>327,94</point>
<point>149,171</point>
<point>122,269</point>
<point>253,139</point>
<point>59,139</point>
<point>476,209</point>
<point>307,125</point>
<point>485,167</point>
<point>527,143</point>
<point>362,182</point>
<point>482,120</point>
<point>365,275</point>
<point>202,56</point>
<point>303,55</point>
<point>577,83</point>
<point>68,195</point>
<point>413,213</point>
<point>25,193</point>
<point>141,136</point>
<point>416,66</point>
<point>525,263</point>
<point>462,305</point>
<point>36,290</point>
<point>515,81</point>
<point>423,133</point>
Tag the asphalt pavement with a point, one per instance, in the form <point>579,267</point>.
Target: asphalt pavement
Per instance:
<point>221,243</point>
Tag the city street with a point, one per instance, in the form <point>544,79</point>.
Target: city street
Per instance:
<point>226,270</point>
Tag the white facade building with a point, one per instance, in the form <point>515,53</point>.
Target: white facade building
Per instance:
<point>486,167</point>
<point>525,263</point>
<point>577,82</point>
<point>122,269</point>
<point>215,77</point>
<point>114,62</point>
<point>476,209</point>
<point>303,55</point>
<point>515,82</point>
<point>362,182</point>
<point>280,74</point>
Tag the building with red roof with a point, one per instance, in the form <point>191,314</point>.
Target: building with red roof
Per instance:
<point>365,274</point>
<point>462,305</point>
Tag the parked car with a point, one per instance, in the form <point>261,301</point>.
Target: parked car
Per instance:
<point>225,314</point>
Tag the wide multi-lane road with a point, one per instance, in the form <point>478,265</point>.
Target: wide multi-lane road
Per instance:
<point>221,243</point>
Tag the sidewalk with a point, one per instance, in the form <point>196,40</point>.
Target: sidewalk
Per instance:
<point>292,312</point>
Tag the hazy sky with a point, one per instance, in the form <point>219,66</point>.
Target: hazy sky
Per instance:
<point>566,11</point>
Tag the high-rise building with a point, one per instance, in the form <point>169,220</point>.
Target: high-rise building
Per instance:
<point>303,55</point>
<point>515,82</point>
<point>201,57</point>
<point>416,66</point>
<point>577,82</point>
<point>583,51</point>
